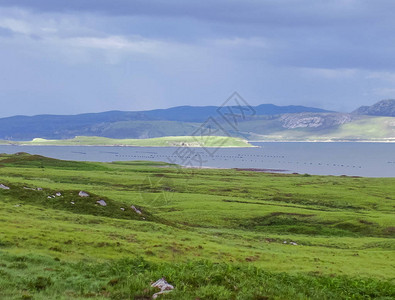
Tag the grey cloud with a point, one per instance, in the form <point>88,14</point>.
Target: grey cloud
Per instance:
<point>337,34</point>
<point>286,13</point>
<point>5,32</point>
<point>206,49</point>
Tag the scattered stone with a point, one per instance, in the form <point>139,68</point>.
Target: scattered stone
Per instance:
<point>32,189</point>
<point>284,242</point>
<point>58,194</point>
<point>293,243</point>
<point>72,202</point>
<point>122,209</point>
<point>17,205</point>
<point>164,287</point>
<point>49,197</point>
<point>136,210</point>
<point>101,202</point>
<point>4,187</point>
<point>83,194</point>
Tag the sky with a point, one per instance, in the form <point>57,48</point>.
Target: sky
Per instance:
<point>78,56</point>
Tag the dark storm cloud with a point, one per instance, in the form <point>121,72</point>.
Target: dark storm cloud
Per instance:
<point>339,34</point>
<point>335,54</point>
<point>288,12</point>
<point>5,32</point>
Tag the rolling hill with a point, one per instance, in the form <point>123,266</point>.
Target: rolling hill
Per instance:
<point>174,121</point>
<point>384,108</point>
<point>267,122</point>
<point>212,233</point>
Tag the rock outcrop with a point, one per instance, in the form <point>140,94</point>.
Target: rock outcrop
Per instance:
<point>101,202</point>
<point>315,120</point>
<point>4,187</point>
<point>384,108</point>
<point>83,194</point>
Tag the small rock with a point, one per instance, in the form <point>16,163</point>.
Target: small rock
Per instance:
<point>83,194</point>
<point>164,287</point>
<point>136,210</point>
<point>4,187</point>
<point>49,197</point>
<point>72,202</point>
<point>293,243</point>
<point>122,209</point>
<point>58,194</point>
<point>17,205</point>
<point>284,242</point>
<point>39,189</point>
<point>101,202</point>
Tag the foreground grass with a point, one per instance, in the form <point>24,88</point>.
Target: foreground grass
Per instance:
<point>131,278</point>
<point>214,234</point>
<point>169,141</point>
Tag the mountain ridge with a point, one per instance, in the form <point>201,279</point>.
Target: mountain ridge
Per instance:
<point>265,121</point>
<point>68,126</point>
<point>385,108</point>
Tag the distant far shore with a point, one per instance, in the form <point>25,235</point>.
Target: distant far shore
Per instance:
<point>322,141</point>
<point>177,141</point>
<point>170,141</point>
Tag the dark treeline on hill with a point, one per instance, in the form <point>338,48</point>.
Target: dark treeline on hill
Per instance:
<point>267,119</point>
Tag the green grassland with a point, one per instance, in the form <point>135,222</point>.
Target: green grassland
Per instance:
<point>261,128</point>
<point>365,129</point>
<point>169,141</point>
<point>147,129</point>
<point>214,234</point>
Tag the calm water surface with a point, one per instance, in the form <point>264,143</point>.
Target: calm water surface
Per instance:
<point>353,159</point>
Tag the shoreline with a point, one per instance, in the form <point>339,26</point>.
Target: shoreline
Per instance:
<point>322,141</point>
<point>48,145</point>
<point>192,146</point>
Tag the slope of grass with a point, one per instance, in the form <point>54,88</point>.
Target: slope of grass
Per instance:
<point>365,129</point>
<point>171,133</point>
<point>214,234</point>
<point>368,128</point>
<point>170,141</point>
<point>131,278</point>
<point>148,129</point>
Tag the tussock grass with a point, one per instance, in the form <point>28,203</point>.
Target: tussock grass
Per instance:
<point>131,279</point>
<point>214,234</point>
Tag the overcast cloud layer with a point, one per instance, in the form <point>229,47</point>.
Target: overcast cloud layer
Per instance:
<point>75,56</point>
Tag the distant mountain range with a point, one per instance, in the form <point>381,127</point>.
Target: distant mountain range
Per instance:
<point>268,122</point>
<point>119,124</point>
<point>383,108</point>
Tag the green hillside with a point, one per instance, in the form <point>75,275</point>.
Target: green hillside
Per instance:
<point>364,129</point>
<point>175,121</point>
<point>307,126</point>
<point>213,234</point>
<point>169,141</point>
<point>147,129</point>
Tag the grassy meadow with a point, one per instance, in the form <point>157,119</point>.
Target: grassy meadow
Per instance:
<point>213,234</point>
